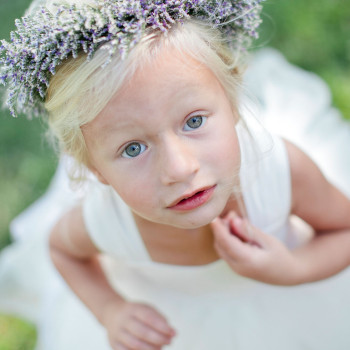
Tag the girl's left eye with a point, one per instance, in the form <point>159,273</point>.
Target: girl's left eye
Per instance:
<point>133,150</point>
<point>195,122</point>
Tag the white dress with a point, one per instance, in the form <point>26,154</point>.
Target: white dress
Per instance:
<point>210,306</point>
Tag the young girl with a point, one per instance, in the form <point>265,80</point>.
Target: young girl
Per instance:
<point>194,203</point>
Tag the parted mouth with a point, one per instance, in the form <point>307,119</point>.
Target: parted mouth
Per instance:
<point>191,196</point>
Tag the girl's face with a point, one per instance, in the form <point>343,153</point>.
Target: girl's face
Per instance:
<point>167,143</point>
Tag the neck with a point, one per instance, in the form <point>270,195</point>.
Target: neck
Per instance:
<point>235,203</point>
<point>173,245</point>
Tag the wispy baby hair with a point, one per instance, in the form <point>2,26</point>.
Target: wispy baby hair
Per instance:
<point>44,39</point>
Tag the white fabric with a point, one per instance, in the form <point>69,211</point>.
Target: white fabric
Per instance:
<point>210,306</point>
<point>112,227</point>
<point>116,234</point>
<point>298,106</point>
<point>265,183</point>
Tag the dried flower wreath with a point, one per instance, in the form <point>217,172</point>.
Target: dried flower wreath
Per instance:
<point>44,39</point>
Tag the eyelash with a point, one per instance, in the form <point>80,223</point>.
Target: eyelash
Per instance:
<point>142,147</point>
<point>202,118</point>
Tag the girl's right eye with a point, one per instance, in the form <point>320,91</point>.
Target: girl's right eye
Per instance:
<point>133,150</point>
<point>195,122</point>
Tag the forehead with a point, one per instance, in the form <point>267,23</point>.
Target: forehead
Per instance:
<point>170,81</point>
<point>171,71</point>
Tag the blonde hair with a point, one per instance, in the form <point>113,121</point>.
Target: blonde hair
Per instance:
<point>80,89</point>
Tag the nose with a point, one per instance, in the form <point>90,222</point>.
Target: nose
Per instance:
<point>178,163</point>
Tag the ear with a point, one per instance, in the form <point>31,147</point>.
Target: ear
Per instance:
<point>98,175</point>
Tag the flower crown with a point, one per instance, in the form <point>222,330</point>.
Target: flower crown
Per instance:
<point>44,39</point>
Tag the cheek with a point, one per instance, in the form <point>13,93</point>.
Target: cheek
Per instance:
<point>225,150</point>
<point>136,192</point>
<point>134,184</point>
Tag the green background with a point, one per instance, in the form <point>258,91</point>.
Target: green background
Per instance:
<point>313,34</point>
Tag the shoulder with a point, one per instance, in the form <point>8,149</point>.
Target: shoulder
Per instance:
<point>305,174</point>
<point>71,236</point>
<point>314,198</point>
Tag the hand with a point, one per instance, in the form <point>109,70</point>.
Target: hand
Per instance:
<point>136,326</point>
<point>252,253</point>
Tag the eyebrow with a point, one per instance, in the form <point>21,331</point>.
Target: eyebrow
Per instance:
<point>104,132</point>
<point>124,122</point>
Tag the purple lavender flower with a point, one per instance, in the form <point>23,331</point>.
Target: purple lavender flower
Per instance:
<point>44,40</point>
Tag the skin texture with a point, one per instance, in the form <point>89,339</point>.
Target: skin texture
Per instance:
<point>266,259</point>
<point>180,156</point>
<point>176,160</point>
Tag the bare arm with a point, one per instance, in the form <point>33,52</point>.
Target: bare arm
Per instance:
<point>327,210</point>
<point>77,260</point>
<point>129,325</point>
<point>266,259</point>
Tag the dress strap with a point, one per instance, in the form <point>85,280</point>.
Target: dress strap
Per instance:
<point>265,180</point>
<point>265,183</point>
<point>111,225</point>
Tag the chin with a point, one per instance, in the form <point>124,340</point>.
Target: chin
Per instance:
<point>195,221</point>
<point>191,226</point>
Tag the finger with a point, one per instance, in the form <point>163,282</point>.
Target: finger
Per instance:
<point>147,334</point>
<point>118,346</point>
<point>240,227</point>
<point>248,233</point>
<point>154,319</point>
<point>228,245</point>
<point>230,253</point>
<point>223,253</point>
<point>133,343</point>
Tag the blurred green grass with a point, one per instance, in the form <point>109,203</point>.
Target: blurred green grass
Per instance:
<point>313,34</point>
<point>26,161</point>
<point>26,166</point>
<point>15,334</point>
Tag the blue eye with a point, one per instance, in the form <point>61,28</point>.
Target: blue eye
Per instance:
<point>195,122</point>
<point>133,150</point>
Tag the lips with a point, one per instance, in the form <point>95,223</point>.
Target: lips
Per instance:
<point>193,200</point>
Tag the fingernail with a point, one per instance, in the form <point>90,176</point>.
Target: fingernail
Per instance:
<point>220,221</point>
<point>237,220</point>
<point>215,220</point>
<point>233,214</point>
